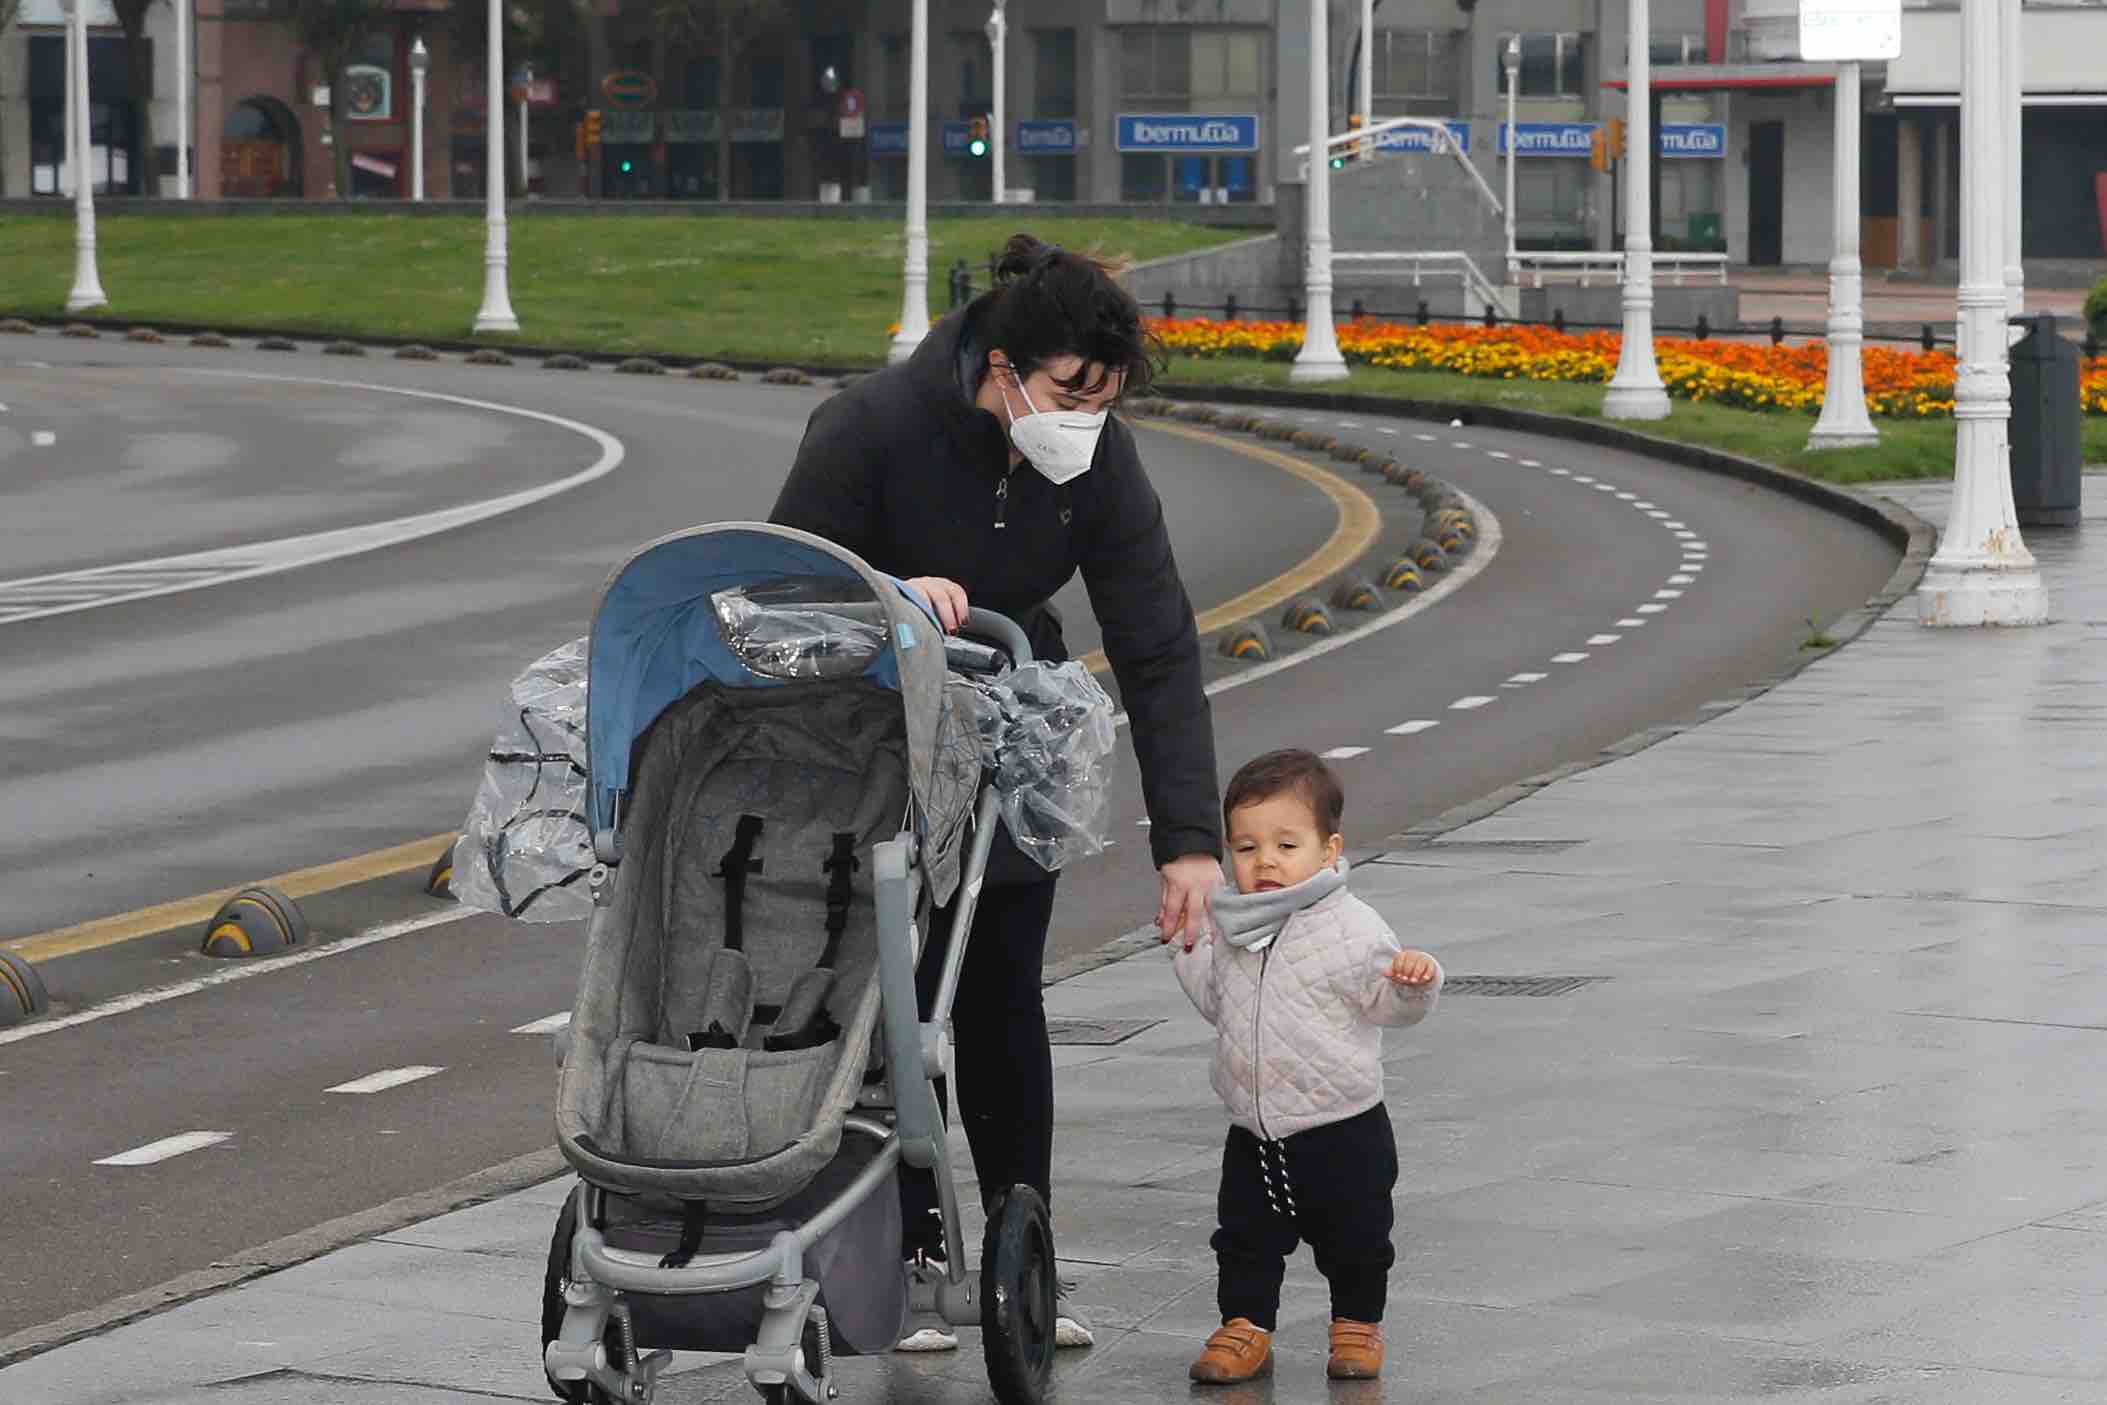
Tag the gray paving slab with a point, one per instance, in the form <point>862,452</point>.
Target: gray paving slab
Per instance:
<point>1829,1130</point>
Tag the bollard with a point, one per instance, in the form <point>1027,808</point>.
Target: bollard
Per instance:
<point>1704,327</point>
<point>1928,340</point>
<point>1777,330</point>
<point>1170,308</point>
<point>1492,318</point>
<point>1357,312</point>
<point>1229,308</point>
<point>1558,320</point>
<point>1294,308</point>
<point>1422,312</point>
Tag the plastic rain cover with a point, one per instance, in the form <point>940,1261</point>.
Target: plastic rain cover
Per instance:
<point>526,847</point>
<point>1047,731</point>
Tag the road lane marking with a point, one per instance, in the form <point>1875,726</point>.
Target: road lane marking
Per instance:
<point>1563,472</point>
<point>141,580</point>
<point>1583,478</point>
<point>1668,595</point>
<point>1651,609</point>
<point>1682,580</point>
<point>1629,623</point>
<point>1642,505</point>
<point>165,1149</point>
<point>1530,463</point>
<point>43,438</point>
<point>1469,703</point>
<point>1425,438</point>
<point>1408,729</point>
<point>1691,539</point>
<point>1343,753</point>
<point>248,970</point>
<point>547,1024</point>
<point>1605,487</point>
<point>1627,497</point>
<point>1496,454</point>
<point>1675,526</point>
<point>1658,515</point>
<point>1388,431</point>
<point>1567,658</point>
<point>1523,680</point>
<point>387,1078</point>
<point>1141,824</point>
<point>1459,443</point>
<point>1601,639</point>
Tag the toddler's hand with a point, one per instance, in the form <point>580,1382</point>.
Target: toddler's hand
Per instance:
<point>1410,967</point>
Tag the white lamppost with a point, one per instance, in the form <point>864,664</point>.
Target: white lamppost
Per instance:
<point>526,91</point>
<point>998,35</point>
<point>1844,422</point>
<point>496,313</point>
<point>183,98</point>
<point>914,297</point>
<point>1319,359</point>
<point>87,283</point>
<point>1366,81</point>
<point>2012,105</point>
<point>1636,392</point>
<point>420,64</point>
<point>1514,146</point>
<point>1982,572</point>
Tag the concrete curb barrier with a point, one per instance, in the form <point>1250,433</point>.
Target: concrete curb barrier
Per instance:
<point>255,922</point>
<point>22,993</point>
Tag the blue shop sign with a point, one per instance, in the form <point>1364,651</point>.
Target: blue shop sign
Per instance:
<point>1699,139</point>
<point>1550,138</point>
<point>1420,139</point>
<point>1193,134</point>
<point>1055,137</point>
<point>888,138</point>
<point>953,137</point>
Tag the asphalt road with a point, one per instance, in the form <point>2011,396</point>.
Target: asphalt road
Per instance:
<point>171,745</point>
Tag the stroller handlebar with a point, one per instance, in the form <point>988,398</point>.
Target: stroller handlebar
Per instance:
<point>1001,631</point>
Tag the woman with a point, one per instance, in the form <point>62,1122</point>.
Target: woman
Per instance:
<point>986,470</point>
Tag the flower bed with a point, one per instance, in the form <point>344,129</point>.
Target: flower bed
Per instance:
<point>1748,375</point>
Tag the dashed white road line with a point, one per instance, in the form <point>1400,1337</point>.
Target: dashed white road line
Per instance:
<point>1674,526</point>
<point>1642,505</point>
<point>1605,487</point>
<point>1529,463</point>
<point>387,1078</point>
<point>43,438</point>
<point>1627,497</point>
<point>1600,639</point>
<point>1459,443</point>
<point>1691,539</point>
<point>1467,704</point>
<point>1668,595</point>
<point>1425,438</point>
<point>1523,680</point>
<point>1657,514</point>
<point>547,1024</point>
<point>1567,658</point>
<point>1387,430</point>
<point>1563,472</point>
<point>1343,753</point>
<point>1629,623</point>
<point>1682,580</point>
<point>1651,609</point>
<point>1583,478</point>
<point>1496,454</point>
<point>166,1148</point>
<point>1413,728</point>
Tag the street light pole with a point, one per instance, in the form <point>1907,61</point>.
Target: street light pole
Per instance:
<point>1844,422</point>
<point>914,296</point>
<point>420,63</point>
<point>1636,392</point>
<point>183,98</point>
<point>1367,74</point>
<point>1514,147</point>
<point>1982,572</point>
<point>496,313</point>
<point>526,92</point>
<point>998,36</point>
<point>87,283</point>
<point>1319,359</point>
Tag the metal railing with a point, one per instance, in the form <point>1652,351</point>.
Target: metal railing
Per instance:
<point>1369,144</point>
<point>1443,264</point>
<point>1585,268</point>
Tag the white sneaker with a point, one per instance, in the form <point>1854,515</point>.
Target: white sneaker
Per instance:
<point>937,1336</point>
<point>1069,1327</point>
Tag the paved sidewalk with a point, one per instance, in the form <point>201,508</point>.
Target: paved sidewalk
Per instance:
<point>1828,1128</point>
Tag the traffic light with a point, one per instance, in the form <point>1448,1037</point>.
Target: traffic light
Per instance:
<point>1616,138</point>
<point>977,137</point>
<point>592,127</point>
<point>1353,124</point>
<point>1599,149</point>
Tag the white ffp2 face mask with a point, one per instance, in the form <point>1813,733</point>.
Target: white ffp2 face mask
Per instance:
<point>1061,444</point>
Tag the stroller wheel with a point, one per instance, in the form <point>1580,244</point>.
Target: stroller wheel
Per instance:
<point>552,1310</point>
<point>1017,1281</point>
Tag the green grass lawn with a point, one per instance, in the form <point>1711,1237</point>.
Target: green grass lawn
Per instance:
<point>1907,449</point>
<point>816,291</point>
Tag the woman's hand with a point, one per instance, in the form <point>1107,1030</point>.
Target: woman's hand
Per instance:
<point>1184,912</point>
<point>948,598</point>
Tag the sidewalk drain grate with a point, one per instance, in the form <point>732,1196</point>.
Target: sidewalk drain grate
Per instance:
<point>1503,846</point>
<point>1095,1031</point>
<point>1517,985</point>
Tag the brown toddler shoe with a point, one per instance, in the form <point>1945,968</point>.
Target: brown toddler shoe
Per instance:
<point>1236,1352</point>
<point>1357,1351</point>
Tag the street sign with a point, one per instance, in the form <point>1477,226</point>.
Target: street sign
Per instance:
<point>1707,140</point>
<point>1549,138</point>
<point>1419,139</point>
<point>888,138</point>
<point>1185,134</point>
<point>1850,31</point>
<point>1054,137</point>
<point>691,126</point>
<point>629,89</point>
<point>848,110</point>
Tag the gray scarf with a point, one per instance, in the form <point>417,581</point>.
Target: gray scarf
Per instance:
<point>1250,921</point>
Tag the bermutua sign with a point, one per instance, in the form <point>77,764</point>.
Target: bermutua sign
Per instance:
<point>1193,134</point>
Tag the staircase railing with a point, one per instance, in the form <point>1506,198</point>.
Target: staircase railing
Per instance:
<point>1389,138</point>
<point>1445,264</point>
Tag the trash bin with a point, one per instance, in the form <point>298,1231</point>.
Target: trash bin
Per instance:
<point>2047,454</point>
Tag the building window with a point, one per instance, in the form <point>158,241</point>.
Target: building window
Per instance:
<point>892,93</point>
<point>369,80</point>
<point>1676,49</point>
<point>764,79</point>
<point>1053,72</point>
<point>1552,66</point>
<point>1414,65</point>
<point>1180,70</point>
<point>698,85</point>
<point>836,51</point>
<point>970,60</point>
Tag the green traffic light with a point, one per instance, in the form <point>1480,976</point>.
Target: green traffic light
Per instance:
<point>977,147</point>
<point>627,167</point>
<point>1338,163</point>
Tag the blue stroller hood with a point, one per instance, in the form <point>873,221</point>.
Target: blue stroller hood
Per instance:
<point>667,622</point>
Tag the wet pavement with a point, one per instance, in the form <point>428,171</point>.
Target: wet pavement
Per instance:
<point>1827,1127</point>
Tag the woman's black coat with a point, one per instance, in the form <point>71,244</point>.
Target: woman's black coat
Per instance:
<point>904,470</point>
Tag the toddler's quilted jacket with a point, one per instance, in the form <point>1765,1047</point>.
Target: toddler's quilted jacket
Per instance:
<point>1298,1025</point>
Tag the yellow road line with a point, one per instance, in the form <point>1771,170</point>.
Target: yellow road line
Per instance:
<point>302,883</point>
<point>1359,522</point>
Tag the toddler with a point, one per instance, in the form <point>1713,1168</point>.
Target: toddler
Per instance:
<point>1298,981</point>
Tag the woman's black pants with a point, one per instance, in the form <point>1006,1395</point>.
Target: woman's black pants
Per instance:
<point>1003,1064</point>
<point>1328,1187</point>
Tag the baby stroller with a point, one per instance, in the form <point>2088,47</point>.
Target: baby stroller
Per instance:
<point>780,788</point>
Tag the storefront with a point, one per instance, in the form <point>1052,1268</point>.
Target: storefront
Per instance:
<point>1168,157</point>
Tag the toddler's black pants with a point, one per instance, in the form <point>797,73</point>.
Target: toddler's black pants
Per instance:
<point>1328,1187</point>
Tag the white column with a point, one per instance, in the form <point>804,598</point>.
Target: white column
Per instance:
<point>998,35</point>
<point>1514,132</point>
<point>496,313</point>
<point>1319,359</point>
<point>914,297</point>
<point>1366,78</point>
<point>87,283</point>
<point>419,58</point>
<point>1909,193</point>
<point>523,137</point>
<point>2011,101</point>
<point>182,98</point>
<point>1982,572</point>
<point>1636,391</point>
<point>1845,421</point>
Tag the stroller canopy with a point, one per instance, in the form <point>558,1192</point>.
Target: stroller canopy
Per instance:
<point>748,605</point>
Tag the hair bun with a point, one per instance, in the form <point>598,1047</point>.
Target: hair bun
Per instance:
<point>1022,255</point>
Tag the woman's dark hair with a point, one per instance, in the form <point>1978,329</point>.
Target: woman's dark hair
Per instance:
<point>1279,772</point>
<point>1050,302</point>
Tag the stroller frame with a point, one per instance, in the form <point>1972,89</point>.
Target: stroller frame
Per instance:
<point>911,1131</point>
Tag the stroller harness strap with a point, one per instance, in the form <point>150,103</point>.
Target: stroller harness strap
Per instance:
<point>693,1221</point>
<point>804,1022</point>
<point>730,1010</point>
<point>739,861</point>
